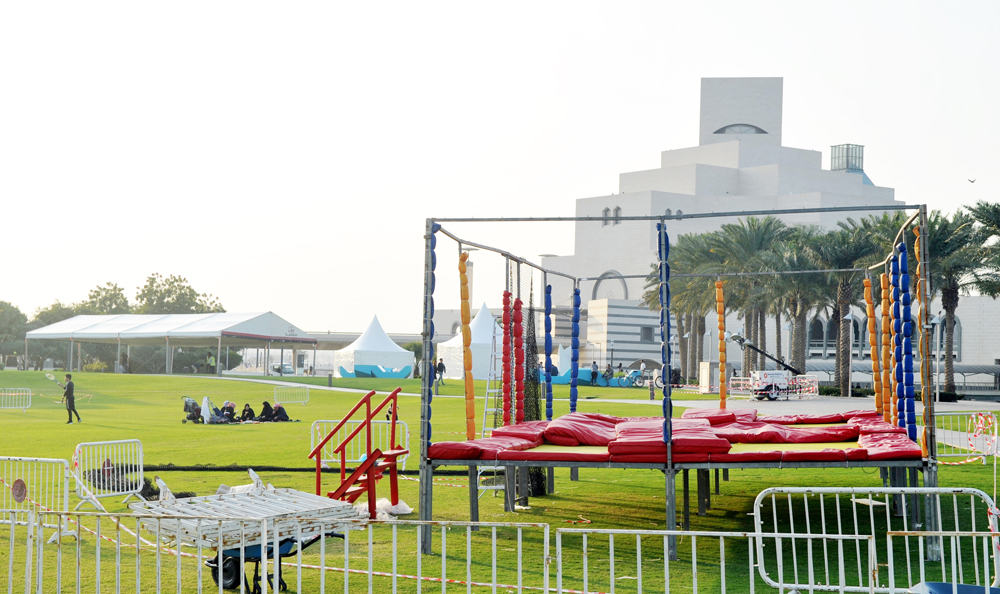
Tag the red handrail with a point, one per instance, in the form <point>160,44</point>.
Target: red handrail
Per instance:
<point>347,417</point>
<point>366,424</point>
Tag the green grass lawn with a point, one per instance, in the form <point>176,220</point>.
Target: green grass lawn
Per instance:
<point>149,408</point>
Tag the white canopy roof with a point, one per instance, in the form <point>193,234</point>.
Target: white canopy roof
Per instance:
<point>374,339</point>
<point>375,348</point>
<point>234,329</point>
<point>483,328</point>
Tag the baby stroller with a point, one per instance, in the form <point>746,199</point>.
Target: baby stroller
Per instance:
<point>193,411</point>
<point>210,414</point>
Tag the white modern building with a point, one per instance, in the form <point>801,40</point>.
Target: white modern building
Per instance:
<point>739,164</point>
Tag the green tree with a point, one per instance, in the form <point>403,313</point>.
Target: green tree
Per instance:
<point>173,295</point>
<point>850,246</point>
<point>13,325</point>
<point>109,299</point>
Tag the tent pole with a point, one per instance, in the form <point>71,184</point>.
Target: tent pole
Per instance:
<point>218,358</point>
<point>166,357</point>
<point>227,356</point>
<point>314,361</point>
<point>79,356</point>
<point>118,359</point>
<point>69,359</point>
<point>128,357</point>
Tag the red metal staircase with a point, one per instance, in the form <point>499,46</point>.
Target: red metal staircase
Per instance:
<point>376,464</point>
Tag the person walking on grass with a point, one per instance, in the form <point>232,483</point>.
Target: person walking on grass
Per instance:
<point>70,400</point>
<point>440,371</point>
<point>593,373</point>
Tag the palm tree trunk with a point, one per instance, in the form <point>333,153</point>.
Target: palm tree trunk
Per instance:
<point>701,340</point>
<point>799,342</point>
<point>753,338</point>
<point>844,336</point>
<point>762,335</point>
<point>747,323</point>
<point>835,315</point>
<point>777,334</point>
<point>949,301</point>
<point>682,342</point>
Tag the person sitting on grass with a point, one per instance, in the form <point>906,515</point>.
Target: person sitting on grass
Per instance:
<point>247,414</point>
<point>229,411</point>
<point>279,414</point>
<point>266,413</point>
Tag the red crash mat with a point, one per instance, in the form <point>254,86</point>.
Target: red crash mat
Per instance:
<point>454,450</point>
<point>642,458</point>
<point>581,429</point>
<point>532,431</point>
<point>700,441</point>
<point>567,456</point>
<point>802,419</point>
<point>491,446</point>
<point>747,457</point>
<point>889,446</point>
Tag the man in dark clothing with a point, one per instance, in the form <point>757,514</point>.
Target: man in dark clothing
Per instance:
<point>440,371</point>
<point>70,400</point>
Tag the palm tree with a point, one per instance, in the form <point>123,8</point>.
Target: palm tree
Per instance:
<point>847,247</point>
<point>743,247</point>
<point>955,247</point>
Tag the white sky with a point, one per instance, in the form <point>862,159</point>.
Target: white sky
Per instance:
<point>284,156</point>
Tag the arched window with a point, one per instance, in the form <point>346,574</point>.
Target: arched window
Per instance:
<point>740,129</point>
<point>816,334</point>
<point>618,214</point>
<point>606,214</point>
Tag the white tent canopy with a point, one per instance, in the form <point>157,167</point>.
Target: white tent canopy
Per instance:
<point>483,328</point>
<point>373,347</point>
<point>225,329</point>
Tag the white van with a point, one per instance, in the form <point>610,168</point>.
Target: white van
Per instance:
<point>768,384</point>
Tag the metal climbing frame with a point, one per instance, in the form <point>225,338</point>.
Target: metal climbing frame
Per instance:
<point>433,228</point>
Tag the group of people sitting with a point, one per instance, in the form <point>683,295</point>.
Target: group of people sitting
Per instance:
<point>268,414</point>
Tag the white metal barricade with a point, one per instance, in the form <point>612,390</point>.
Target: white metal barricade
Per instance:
<point>45,483</point>
<point>971,571</point>
<point>358,556</point>
<point>803,386</point>
<point>381,434</point>
<point>815,513</point>
<point>291,395</point>
<point>970,435</point>
<point>595,560</point>
<point>740,387</point>
<point>108,469</point>
<point>15,398</point>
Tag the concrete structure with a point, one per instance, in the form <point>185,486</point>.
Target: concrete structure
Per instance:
<point>739,164</point>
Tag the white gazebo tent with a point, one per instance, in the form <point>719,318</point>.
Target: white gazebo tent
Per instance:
<point>373,347</point>
<point>483,329</point>
<point>177,330</point>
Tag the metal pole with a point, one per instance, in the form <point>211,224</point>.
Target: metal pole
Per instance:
<point>425,504</point>
<point>313,370</point>
<point>218,358</point>
<point>166,356</point>
<point>25,353</point>
<point>118,362</point>
<point>281,361</point>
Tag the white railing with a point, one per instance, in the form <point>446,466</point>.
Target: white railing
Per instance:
<point>970,435</point>
<point>291,395</point>
<point>740,387</point>
<point>952,568</point>
<point>108,469</point>
<point>355,450</point>
<point>15,398</point>
<point>595,560</point>
<point>45,481</point>
<point>816,513</point>
<point>355,556</point>
<point>803,386</point>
